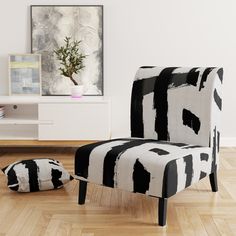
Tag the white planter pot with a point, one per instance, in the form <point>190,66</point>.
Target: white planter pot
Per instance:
<point>77,91</point>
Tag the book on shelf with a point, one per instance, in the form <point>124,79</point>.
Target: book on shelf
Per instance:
<point>2,112</point>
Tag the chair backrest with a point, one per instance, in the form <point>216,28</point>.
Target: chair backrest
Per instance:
<point>177,104</point>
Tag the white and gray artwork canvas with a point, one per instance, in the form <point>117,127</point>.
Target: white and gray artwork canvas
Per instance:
<point>24,74</point>
<point>50,26</point>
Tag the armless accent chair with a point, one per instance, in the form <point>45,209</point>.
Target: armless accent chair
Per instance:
<point>174,140</point>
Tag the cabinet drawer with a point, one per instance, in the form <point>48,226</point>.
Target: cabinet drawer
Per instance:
<point>83,121</point>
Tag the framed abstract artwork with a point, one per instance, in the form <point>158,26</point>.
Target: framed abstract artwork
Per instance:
<point>25,74</point>
<point>50,25</point>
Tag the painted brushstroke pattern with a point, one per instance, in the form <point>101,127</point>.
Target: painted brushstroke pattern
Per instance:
<point>36,175</point>
<point>175,133</point>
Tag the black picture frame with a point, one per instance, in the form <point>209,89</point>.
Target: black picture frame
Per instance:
<point>102,37</point>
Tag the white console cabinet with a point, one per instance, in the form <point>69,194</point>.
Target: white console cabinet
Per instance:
<point>55,118</point>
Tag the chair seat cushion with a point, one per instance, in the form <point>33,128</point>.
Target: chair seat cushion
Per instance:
<point>156,168</point>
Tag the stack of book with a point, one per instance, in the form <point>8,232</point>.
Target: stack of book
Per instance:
<point>2,112</point>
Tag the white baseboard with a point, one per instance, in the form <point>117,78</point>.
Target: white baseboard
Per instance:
<point>228,142</point>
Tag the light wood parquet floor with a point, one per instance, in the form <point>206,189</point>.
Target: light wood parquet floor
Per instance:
<point>195,211</point>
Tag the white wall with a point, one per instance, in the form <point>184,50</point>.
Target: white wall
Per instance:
<point>144,32</point>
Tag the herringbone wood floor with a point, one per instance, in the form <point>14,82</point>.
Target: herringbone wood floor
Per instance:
<point>195,211</point>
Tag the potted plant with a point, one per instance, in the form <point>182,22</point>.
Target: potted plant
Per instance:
<point>72,62</point>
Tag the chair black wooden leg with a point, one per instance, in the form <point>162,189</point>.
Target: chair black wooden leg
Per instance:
<point>82,191</point>
<point>213,181</point>
<point>162,210</point>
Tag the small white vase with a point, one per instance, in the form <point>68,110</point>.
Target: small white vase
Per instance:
<point>77,91</point>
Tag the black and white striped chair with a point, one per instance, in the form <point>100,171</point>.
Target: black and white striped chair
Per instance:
<point>174,140</point>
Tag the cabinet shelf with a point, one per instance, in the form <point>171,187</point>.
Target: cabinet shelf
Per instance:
<point>19,132</point>
<point>22,121</point>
